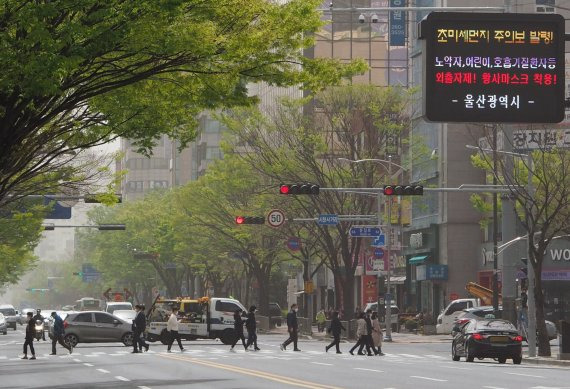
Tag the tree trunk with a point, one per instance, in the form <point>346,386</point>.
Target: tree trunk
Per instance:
<point>543,342</point>
<point>347,303</point>
<point>263,292</point>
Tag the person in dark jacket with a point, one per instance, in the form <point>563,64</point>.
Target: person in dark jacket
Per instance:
<point>58,333</point>
<point>335,329</point>
<point>251,326</point>
<point>238,328</point>
<point>139,325</point>
<point>30,334</point>
<point>293,328</point>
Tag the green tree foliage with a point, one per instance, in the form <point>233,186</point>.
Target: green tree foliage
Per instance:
<point>20,232</point>
<point>79,73</point>
<point>543,208</point>
<point>287,146</point>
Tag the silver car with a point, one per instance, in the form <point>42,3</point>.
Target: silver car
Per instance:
<point>10,314</point>
<point>96,327</point>
<point>3,325</point>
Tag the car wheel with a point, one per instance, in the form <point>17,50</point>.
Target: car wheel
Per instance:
<point>127,339</point>
<point>454,355</point>
<point>469,357</point>
<point>517,360</point>
<point>71,340</point>
<point>164,337</point>
<point>5,332</point>
<point>502,359</point>
<point>228,336</point>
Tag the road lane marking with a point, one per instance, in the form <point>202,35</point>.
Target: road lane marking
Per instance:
<point>428,378</point>
<point>411,356</point>
<point>120,378</point>
<point>364,369</point>
<point>88,364</point>
<point>321,363</point>
<point>526,375</point>
<point>77,360</point>
<point>493,387</point>
<point>103,371</point>
<point>456,367</point>
<point>143,387</point>
<point>255,373</point>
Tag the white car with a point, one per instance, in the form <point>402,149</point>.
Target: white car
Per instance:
<point>3,325</point>
<point>395,311</point>
<point>116,306</point>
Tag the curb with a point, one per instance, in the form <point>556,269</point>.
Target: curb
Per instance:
<point>553,362</point>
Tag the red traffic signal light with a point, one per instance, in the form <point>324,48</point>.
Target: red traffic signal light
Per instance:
<point>299,189</point>
<point>403,190</point>
<point>250,220</point>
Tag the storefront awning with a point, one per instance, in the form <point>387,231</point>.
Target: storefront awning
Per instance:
<point>417,260</point>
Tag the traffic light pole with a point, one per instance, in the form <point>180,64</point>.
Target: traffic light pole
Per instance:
<point>388,296</point>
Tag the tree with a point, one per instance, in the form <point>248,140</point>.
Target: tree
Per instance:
<point>80,73</point>
<point>356,122</point>
<point>543,205</point>
<point>20,232</point>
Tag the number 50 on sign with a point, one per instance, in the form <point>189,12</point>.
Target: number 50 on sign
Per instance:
<point>276,218</point>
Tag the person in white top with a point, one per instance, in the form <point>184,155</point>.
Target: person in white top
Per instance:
<point>172,327</point>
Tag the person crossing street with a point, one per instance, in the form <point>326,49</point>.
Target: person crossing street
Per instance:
<point>335,329</point>
<point>30,334</point>
<point>139,325</point>
<point>238,328</point>
<point>251,326</point>
<point>292,328</point>
<point>58,333</point>
<point>172,327</point>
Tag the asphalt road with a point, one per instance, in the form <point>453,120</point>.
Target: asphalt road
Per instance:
<point>210,364</point>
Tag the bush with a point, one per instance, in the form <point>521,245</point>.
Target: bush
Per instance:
<point>411,325</point>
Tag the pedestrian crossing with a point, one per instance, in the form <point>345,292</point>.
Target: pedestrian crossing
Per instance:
<point>221,353</point>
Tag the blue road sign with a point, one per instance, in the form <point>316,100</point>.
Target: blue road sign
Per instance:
<point>89,273</point>
<point>379,241</point>
<point>328,220</point>
<point>362,232</point>
<point>379,252</point>
<point>294,244</point>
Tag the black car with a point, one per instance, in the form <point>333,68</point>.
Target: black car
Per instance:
<point>489,338</point>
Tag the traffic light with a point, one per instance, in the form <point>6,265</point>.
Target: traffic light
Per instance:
<point>403,190</point>
<point>299,189</point>
<point>250,220</point>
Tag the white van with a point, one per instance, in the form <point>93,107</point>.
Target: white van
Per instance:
<point>118,306</point>
<point>447,317</point>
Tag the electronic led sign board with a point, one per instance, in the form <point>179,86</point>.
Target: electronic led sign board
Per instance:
<point>493,68</point>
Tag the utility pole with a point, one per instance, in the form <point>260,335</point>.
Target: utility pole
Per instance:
<point>531,333</point>
<point>388,297</point>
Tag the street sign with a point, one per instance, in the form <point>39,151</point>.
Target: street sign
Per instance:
<point>494,68</point>
<point>328,220</point>
<point>379,241</point>
<point>379,252</point>
<point>294,244</point>
<point>276,218</point>
<point>89,273</point>
<point>364,231</point>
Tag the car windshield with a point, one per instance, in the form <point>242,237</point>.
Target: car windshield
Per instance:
<point>8,311</point>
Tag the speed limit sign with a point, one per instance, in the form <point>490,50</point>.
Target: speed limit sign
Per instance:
<point>276,218</point>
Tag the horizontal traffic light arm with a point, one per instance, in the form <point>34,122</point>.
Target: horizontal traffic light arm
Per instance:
<point>250,220</point>
<point>465,188</point>
<point>100,227</point>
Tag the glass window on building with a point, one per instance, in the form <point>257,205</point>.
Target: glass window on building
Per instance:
<point>213,152</point>
<point>135,186</point>
<point>161,184</point>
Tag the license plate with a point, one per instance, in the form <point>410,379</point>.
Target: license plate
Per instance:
<point>498,339</point>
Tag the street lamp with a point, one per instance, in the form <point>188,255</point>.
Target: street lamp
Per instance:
<point>388,297</point>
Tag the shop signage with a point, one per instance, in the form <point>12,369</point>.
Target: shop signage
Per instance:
<point>397,24</point>
<point>558,255</point>
<point>417,240</point>
<point>494,68</point>
<point>431,272</point>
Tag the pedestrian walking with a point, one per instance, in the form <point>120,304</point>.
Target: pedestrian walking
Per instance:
<point>321,319</point>
<point>360,334</point>
<point>335,329</point>
<point>238,328</point>
<point>172,327</point>
<point>30,334</point>
<point>139,325</point>
<point>368,343</point>
<point>376,333</point>
<point>58,334</point>
<point>292,328</point>
<point>251,325</point>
